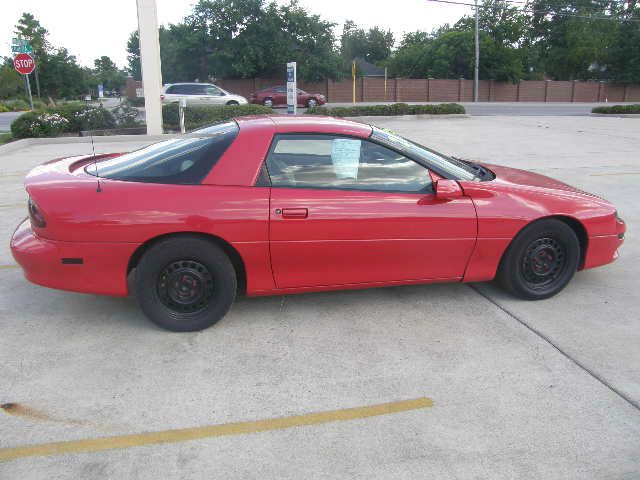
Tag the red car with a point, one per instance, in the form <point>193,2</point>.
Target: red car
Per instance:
<point>279,205</point>
<point>278,96</point>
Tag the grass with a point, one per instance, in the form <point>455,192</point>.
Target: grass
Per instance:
<point>5,137</point>
<point>617,109</point>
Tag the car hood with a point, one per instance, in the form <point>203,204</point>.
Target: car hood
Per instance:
<point>514,177</point>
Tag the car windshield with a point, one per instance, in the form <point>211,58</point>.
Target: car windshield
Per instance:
<point>183,160</point>
<point>453,167</point>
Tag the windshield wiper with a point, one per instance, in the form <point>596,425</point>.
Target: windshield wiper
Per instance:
<point>480,171</point>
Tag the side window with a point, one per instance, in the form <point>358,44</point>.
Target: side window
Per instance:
<point>212,90</point>
<point>331,162</point>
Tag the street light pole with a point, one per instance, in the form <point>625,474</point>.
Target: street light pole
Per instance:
<point>476,66</point>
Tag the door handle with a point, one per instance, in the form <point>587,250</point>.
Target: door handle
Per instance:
<point>295,213</point>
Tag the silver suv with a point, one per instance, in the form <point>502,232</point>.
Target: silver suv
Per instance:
<point>199,94</point>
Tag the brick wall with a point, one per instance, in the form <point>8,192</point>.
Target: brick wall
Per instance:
<point>439,90</point>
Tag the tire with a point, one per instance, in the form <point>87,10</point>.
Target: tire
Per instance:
<point>232,102</point>
<point>540,261</point>
<point>184,284</point>
<point>267,102</point>
<point>312,102</point>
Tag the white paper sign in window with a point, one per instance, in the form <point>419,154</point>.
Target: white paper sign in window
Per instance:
<point>345,156</point>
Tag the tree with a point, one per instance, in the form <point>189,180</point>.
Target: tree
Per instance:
<point>243,39</point>
<point>11,83</point>
<point>574,38</point>
<point>106,72</point>
<point>373,45</point>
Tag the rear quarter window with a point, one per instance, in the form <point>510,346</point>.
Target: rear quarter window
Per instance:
<point>186,160</point>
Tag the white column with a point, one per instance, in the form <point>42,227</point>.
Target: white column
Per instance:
<point>150,63</point>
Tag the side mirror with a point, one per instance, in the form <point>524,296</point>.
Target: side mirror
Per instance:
<point>447,189</point>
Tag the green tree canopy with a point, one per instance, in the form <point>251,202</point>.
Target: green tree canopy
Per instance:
<point>373,45</point>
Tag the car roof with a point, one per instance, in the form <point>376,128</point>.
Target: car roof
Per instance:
<point>311,124</point>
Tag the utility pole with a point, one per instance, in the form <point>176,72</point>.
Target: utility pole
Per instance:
<point>150,64</point>
<point>476,66</point>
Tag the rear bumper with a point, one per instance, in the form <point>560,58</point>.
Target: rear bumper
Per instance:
<point>99,268</point>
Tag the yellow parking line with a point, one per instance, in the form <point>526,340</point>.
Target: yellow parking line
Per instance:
<point>8,267</point>
<point>186,434</point>
<point>613,174</point>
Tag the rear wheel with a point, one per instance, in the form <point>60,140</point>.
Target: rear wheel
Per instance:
<point>268,102</point>
<point>541,260</point>
<point>312,102</point>
<point>232,102</point>
<point>185,284</point>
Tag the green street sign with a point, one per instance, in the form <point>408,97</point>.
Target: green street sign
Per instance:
<point>21,48</point>
<point>19,41</point>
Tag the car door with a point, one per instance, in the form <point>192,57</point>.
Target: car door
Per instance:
<point>213,95</point>
<point>350,211</point>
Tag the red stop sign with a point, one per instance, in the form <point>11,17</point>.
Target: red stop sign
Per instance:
<point>24,63</point>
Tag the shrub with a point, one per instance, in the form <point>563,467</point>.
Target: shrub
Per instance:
<point>199,116</point>
<point>4,108</point>
<point>125,115</point>
<point>386,110</point>
<point>136,102</point>
<point>617,109</point>
<point>67,118</point>
<point>39,124</point>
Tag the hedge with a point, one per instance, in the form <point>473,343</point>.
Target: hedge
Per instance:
<point>613,109</point>
<point>386,110</point>
<point>70,117</point>
<point>200,116</point>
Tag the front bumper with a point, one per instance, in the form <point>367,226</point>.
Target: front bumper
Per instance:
<point>603,249</point>
<point>99,268</point>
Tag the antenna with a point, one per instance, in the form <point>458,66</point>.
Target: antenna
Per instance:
<point>95,162</point>
<point>93,148</point>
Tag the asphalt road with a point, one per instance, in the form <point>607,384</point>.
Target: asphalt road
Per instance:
<point>505,389</point>
<point>6,118</point>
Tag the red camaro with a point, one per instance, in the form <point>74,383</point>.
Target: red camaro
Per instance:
<point>278,96</point>
<point>279,205</point>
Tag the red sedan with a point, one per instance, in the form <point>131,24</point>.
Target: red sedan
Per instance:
<point>280,205</point>
<point>278,96</point>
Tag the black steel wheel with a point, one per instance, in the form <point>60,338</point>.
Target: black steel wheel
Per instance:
<point>185,286</point>
<point>185,283</point>
<point>541,260</point>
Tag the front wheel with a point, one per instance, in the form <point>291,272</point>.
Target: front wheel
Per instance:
<point>232,102</point>
<point>185,284</point>
<point>268,102</point>
<point>312,103</point>
<point>540,261</point>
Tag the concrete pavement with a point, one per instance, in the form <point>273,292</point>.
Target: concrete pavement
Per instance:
<point>521,390</point>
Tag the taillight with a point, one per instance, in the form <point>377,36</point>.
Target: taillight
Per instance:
<point>161,97</point>
<point>36,216</point>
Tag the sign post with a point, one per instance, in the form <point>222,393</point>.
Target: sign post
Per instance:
<point>24,64</point>
<point>353,76</point>
<point>292,89</point>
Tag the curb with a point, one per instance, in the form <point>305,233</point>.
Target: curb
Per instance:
<point>619,115</point>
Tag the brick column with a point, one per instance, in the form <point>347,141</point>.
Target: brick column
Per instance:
<point>626,92</point>
<point>429,89</point>
<point>518,91</point>
<point>546,91</point>
<point>491,92</point>
<point>573,91</point>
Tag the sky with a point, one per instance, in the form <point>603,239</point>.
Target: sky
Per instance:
<point>92,28</point>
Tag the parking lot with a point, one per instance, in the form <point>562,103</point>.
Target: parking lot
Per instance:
<point>504,389</point>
